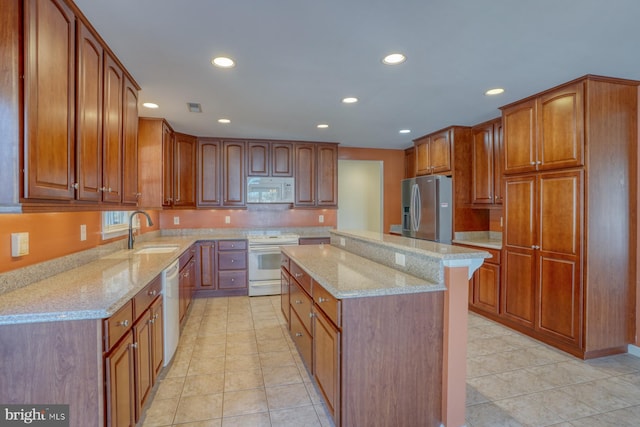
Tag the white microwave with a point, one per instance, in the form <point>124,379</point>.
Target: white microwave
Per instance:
<point>270,190</point>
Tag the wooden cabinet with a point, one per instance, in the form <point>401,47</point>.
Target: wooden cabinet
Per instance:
<point>484,286</point>
<point>486,177</point>
<point>155,162</point>
<point>184,171</point>
<point>112,131</point>
<point>316,173</point>
<point>326,359</point>
<point>168,142</point>
<point>209,172</point>
<point>186,279</point>
<point>410,163</point>
<point>120,384</point>
<point>265,158</point>
<point>88,154</point>
<point>130,191</point>
<point>143,346</point>
<point>49,86</point>
<point>567,271</point>
<point>433,153</point>
<point>545,132</point>
<point>222,268</point>
<point>233,173</point>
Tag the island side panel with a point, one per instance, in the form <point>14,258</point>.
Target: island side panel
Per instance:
<point>392,360</point>
<point>54,363</point>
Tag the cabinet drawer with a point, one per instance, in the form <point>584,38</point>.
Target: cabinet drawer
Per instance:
<point>327,303</point>
<point>145,297</point>
<point>118,324</point>
<point>232,260</point>
<point>301,277</point>
<point>232,245</point>
<point>301,303</point>
<point>186,257</point>
<point>302,340</point>
<point>495,256</point>
<point>232,279</point>
<point>284,261</point>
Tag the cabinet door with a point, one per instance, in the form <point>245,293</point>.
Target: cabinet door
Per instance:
<point>233,169</point>
<point>486,283</point>
<point>130,192</point>
<point>112,131</point>
<point>327,164</point>
<point>423,162</point>
<point>184,161</point>
<point>258,159</point>
<point>207,265</point>
<point>561,128</point>
<point>482,164</point>
<point>120,384</point>
<point>409,163</point>
<point>209,172</point>
<point>167,165</point>
<point>284,295</point>
<point>518,267</point>
<point>305,174</point>
<point>519,137</point>
<point>89,117</point>
<point>157,337</point>
<point>281,159</point>
<point>498,161</point>
<point>440,152</point>
<point>559,257</point>
<point>143,348</point>
<point>326,360</point>
<point>49,83</point>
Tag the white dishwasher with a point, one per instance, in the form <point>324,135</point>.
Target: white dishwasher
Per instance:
<point>171,303</point>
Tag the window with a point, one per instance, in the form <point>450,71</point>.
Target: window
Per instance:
<point>116,223</point>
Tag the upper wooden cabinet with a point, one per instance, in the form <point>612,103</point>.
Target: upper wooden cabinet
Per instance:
<point>233,173</point>
<point>410,162</point>
<point>545,132</point>
<point>486,177</point>
<point>168,140</point>
<point>80,111</point>
<point>209,172</point>
<point>184,170</point>
<point>155,162</point>
<point>316,173</point>
<point>433,153</point>
<point>266,158</point>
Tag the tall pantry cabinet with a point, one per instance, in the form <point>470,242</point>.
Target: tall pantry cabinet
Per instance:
<point>569,208</point>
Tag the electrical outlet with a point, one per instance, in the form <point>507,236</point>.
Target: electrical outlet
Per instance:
<point>19,244</point>
<point>227,219</point>
<point>83,232</point>
<point>343,242</point>
<point>320,219</point>
<point>500,222</point>
<point>400,260</point>
<point>176,220</point>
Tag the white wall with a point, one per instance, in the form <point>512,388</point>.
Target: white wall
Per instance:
<point>360,195</point>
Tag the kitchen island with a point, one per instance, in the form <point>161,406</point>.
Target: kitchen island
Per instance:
<point>386,346</point>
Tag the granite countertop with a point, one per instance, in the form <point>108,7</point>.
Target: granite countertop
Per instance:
<point>482,239</point>
<point>346,275</point>
<point>97,289</point>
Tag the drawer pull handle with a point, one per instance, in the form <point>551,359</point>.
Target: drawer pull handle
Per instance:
<point>298,301</point>
<point>321,300</point>
<point>153,293</point>
<point>298,334</point>
<point>124,323</point>
<point>298,275</point>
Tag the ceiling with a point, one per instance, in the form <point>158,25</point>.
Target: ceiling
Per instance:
<point>297,59</point>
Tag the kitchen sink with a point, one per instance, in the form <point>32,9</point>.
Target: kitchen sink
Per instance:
<point>157,250</point>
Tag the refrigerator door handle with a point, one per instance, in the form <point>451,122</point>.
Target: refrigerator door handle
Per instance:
<point>418,208</point>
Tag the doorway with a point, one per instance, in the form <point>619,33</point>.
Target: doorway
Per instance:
<point>360,201</point>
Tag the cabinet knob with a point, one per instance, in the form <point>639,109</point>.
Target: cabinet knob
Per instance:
<point>124,323</point>
<point>151,321</point>
<point>153,293</point>
<point>311,315</point>
<point>535,247</point>
<point>134,345</point>
<point>321,300</point>
<point>296,275</point>
<point>298,334</point>
<point>298,301</point>
<point>75,186</point>
<point>533,163</point>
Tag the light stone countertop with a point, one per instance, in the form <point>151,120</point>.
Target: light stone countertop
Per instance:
<point>97,289</point>
<point>483,239</point>
<point>346,275</point>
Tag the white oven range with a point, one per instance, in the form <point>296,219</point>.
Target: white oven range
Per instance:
<point>264,262</point>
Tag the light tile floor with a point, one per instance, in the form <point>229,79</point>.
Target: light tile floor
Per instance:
<point>237,366</point>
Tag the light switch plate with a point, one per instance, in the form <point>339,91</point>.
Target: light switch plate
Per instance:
<point>83,232</point>
<point>227,219</point>
<point>320,219</point>
<point>176,220</point>
<point>19,244</point>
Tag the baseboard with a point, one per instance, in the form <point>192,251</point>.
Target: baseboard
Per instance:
<point>634,350</point>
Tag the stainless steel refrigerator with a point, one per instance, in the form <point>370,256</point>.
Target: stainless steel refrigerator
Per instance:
<point>427,208</point>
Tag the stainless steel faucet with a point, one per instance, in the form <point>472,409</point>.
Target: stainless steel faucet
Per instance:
<point>149,223</point>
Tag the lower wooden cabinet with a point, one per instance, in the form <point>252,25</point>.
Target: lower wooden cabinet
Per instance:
<point>326,361</point>
<point>222,268</point>
<point>120,384</point>
<point>142,355</point>
<point>484,286</point>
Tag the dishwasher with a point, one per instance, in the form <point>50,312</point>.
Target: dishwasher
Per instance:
<point>171,303</point>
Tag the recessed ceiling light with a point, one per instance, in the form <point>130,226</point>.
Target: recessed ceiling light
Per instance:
<point>150,105</point>
<point>223,62</point>
<point>225,121</point>
<point>405,131</point>
<point>322,126</point>
<point>394,58</point>
<point>194,107</point>
<point>350,100</point>
<point>496,91</point>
